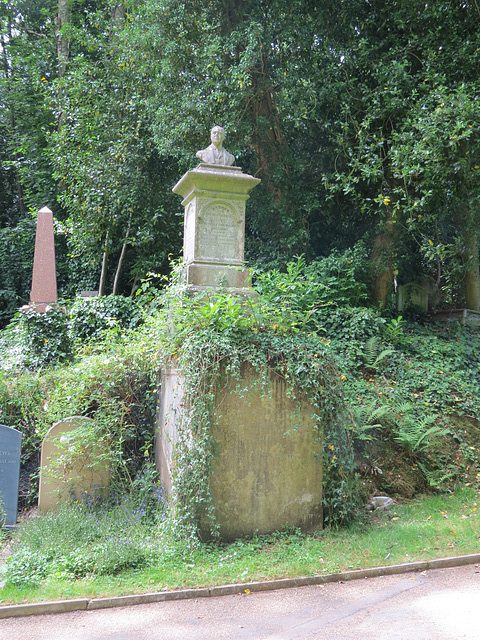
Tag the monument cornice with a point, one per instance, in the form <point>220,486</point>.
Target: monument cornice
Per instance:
<point>215,179</point>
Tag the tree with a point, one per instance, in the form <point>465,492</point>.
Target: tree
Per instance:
<point>105,163</point>
<point>251,67</point>
<point>402,153</point>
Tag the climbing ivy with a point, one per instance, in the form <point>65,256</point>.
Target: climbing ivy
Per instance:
<point>214,335</point>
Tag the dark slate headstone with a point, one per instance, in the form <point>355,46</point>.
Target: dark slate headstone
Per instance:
<point>10,448</point>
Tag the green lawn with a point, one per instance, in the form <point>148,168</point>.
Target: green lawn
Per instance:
<point>422,529</point>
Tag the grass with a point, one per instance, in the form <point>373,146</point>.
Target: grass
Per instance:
<point>74,557</point>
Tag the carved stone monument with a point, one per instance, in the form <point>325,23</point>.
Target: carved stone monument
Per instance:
<point>215,153</point>
<point>10,449</point>
<point>267,470</point>
<point>80,474</point>
<point>44,278</point>
<point>214,196</point>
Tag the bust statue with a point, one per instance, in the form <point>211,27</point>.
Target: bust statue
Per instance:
<point>215,153</point>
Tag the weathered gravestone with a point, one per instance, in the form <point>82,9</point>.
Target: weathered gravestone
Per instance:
<point>10,449</point>
<point>267,471</point>
<point>44,278</point>
<point>214,196</point>
<point>68,466</point>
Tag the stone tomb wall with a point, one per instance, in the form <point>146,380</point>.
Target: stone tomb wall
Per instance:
<point>268,471</point>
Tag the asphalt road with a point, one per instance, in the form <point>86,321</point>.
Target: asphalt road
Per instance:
<point>441,604</point>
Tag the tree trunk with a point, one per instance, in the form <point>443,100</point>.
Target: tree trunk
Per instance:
<point>122,256</point>
<point>103,273</point>
<point>470,252</point>
<point>18,183</point>
<point>472,273</point>
<point>64,14</point>
<point>466,224</point>
<point>382,257</point>
<point>267,138</point>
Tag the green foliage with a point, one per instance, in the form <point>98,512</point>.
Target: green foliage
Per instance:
<point>305,293</point>
<point>44,336</point>
<point>345,276</point>
<point>293,297</point>
<point>91,537</point>
<point>16,248</point>
<point>113,382</point>
<point>34,340</point>
<point>358,126</point>
<point>394,329</point>
<point>27,568</point>
<point>88,319</point>
<point>373,354</point>
<point>367,418</point>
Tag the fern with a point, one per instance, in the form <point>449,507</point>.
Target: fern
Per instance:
<point>366,418</point>
<point>416,436</point>
<point>373,356</point>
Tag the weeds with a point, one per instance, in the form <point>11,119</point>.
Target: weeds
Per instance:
<point>86,552</point>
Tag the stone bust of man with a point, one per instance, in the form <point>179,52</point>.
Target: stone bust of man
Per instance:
<point>215,153</point>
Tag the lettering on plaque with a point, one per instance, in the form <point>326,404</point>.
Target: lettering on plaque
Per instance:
<point>220,232</point>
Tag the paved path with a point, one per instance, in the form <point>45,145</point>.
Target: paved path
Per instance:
<point>442,604</point>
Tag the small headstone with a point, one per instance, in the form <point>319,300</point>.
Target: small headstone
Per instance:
<point>81,474</point>
<point>10,449</point>
<point>88,294</point>
<point>412,295</point>
<point>44,278</point>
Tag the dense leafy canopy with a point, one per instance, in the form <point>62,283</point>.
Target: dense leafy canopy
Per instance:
<point>360,117</point>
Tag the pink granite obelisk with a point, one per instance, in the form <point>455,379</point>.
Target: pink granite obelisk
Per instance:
<point>44,279</point>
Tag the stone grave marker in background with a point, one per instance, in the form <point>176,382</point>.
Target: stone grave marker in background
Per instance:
<point>80,475</point>
<point>10,449</point>
<point>44,278</point>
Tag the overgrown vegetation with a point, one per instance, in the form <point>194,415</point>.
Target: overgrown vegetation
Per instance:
<point>88,551</point>
<point>360,119</point>
<point>397,400</point>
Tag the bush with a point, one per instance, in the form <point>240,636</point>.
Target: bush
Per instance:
<point>89,319</point>
<point>43,337</point>
<point>304,292</point>
<point>90,537</point>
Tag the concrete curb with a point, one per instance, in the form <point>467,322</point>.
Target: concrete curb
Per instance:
<point>85,604</point>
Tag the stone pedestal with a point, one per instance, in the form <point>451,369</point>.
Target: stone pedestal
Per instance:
<point>267,471</point>
<point>214,198</point>
<point>44,278</point>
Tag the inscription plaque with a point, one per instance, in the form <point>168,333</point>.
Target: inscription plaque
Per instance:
<point>10,449</point>
<point>220,233</point>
